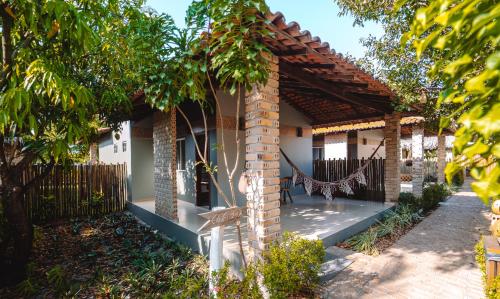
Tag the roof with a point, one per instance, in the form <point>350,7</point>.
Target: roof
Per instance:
<point>410,120</point>
<point>322,84</point>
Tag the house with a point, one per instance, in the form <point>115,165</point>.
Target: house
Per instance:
<point>310,86</point>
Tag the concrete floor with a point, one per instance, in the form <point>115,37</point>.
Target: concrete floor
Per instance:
<point>312,217</point>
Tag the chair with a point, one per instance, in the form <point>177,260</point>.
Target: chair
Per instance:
<point>285,184</point>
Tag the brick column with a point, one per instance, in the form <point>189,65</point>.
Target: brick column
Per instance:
<point>392,172</point>
<point>262,163</point>
<point>441,158</point>
<point>417,153</point>
<point>165,165</point>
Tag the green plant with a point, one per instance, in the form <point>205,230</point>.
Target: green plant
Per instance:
<point>230,287</point>
<point>291,266</point>
<point>28,287</point>
<point>407,198</point>
<point>462,36</point>
<point>365,241</point>
<point>432,194</point>
<point>492,290</point>
<point>58,280</point>
<point>458,179</point>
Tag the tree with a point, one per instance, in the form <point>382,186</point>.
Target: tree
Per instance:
<point>221,47</point>
<point>396,65</point>
<point>66,70</point>
<point>466,35</point>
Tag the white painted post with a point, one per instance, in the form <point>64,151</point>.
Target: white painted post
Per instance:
<point>216,259</point>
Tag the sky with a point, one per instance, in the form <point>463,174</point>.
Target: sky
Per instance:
<point>320,17</point>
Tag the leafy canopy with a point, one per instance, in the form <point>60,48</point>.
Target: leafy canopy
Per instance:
<point>221,46</point>
<point>66,72</point>
<point>466,35</point>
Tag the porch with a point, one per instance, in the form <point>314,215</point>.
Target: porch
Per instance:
<point>311,217</point>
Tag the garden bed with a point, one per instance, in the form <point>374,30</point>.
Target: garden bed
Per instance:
<point>109,256</point>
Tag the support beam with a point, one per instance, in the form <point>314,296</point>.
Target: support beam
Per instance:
<point>441,158</point>
<point>262,164</point>
<point>165,164</point>
<point>392,171</point>
<point>289,53</point>
<point>298,74</point>
<point>417,153</point>
<point>318,65</point>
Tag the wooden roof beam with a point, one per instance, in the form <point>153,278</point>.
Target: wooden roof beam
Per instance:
<point>298,74</point>
<point>317,65</point>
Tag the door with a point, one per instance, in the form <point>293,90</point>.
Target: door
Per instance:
<point>202,176</point>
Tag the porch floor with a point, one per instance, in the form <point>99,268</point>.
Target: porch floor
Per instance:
<point>311,217</point>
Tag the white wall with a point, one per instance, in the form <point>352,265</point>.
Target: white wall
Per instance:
<point>373,139</point>
<point>336,146</point>
<point>108,156</point>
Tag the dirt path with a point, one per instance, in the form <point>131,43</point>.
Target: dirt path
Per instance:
<point>434,260</point>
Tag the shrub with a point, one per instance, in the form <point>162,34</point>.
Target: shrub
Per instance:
<point>229,287</point>
<point>291,266</point>
<point>407,198</point>
<point>432,195</point>
<point>491,290</point>
<point>458,179</point>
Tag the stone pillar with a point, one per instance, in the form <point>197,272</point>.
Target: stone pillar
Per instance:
<point>94,159</point>
<point>441,158</point>
<point>165,164</point>
<point>392,172</point>
<point>262,163</point>
<point>417,153</point>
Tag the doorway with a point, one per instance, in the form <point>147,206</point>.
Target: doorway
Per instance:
<point>202,176</point>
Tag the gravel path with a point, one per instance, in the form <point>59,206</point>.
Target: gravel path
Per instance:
<point>434,260</point>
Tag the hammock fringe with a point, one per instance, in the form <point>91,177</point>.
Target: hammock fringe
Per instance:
<point>328,188</point>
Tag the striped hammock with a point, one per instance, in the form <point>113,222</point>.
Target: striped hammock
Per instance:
<point>345,185</point>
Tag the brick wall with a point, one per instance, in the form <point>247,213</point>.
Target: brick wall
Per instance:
<point>441,158</point>
<point>165,182</point>
<point>417,152</point>
<point>262,163</point>
<point>392,133</point>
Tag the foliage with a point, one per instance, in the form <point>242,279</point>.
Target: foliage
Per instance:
<point>229,287</point>
<point>67,68</point>
<point>458,179</point>
<point>292,266</point>
<point>180,64</point>
<point>432,195</point>
<point>430,179</point>
<point>365,242</point>
<point>466,36</point>
<point>395,65</point>
<point>491,290</point>
<point>97,263</point>
<point>402,217</point>
<point>407,198</point>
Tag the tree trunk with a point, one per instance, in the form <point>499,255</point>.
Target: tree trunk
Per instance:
<point>13,266</point>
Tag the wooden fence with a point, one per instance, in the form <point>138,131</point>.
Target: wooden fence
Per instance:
<point>336,169</point>
<point>78,190</point>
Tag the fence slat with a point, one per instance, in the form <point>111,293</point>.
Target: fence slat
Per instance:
<point>337,169</point>
<point>68,191</point>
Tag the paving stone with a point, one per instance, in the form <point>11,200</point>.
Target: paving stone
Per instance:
<point>434,260</point>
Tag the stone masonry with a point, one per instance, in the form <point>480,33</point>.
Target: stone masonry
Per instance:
<point>165,182</point>
<point>262,162</point>
<point>417,153</point>
<point>441,158</point>
<point>392,173</point>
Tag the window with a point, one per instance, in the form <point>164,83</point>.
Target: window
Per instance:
<point>124,146</point>
<point>365,141</point>
<point>318,153</point>
<point>181,154</point>
<point>115,148</point>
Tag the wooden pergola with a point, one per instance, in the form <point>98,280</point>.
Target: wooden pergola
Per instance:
<point>320,83</point>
